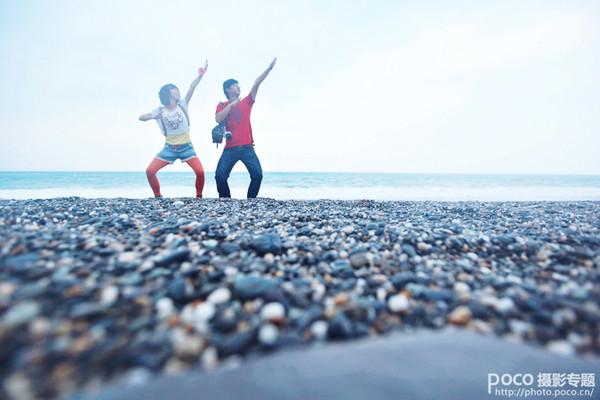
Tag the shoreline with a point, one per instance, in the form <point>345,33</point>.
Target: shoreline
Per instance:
<point>164,285</point>
<point>333,194</point>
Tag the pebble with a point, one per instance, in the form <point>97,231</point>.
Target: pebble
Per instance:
<point>109,295</point>
<point>267,243</point>
<point>182,283</point>
<point>359,260</point>
<point>21,313</point>
<point>172,256</point>
<point>520,328</point>
<point>199,314</point>
<point>210,244</point>
<point>462,288</point>
<point>461,315</point>
<point>164,307</point>
<point>339,327</point>
<point>398,303</point>
<point>318,330</point>
<point>251,286</point>
<point>204,312</point>
<point>178,290</point>
<point>210,359</point>
<point>127,257</point>
<point>505,305</point>
<point>273,312</point>
<point>187,346</point>
<point>137,377</point>
<point>219,296</point>
<point>87,310</point>
<point>40,327</point>
<point>268,334</point>
<point>6,290</point>
<point>561,347</point>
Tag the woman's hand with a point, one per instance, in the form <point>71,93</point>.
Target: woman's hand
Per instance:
<point>202,70</point>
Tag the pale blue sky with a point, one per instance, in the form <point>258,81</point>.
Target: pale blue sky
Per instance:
<point>447,86</point>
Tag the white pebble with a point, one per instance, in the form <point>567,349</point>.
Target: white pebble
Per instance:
<point>210,359</point>
<point>398,303</point>
<point>472,256</point>
<point>7,289</point>
<point>40,327</point>
<point>318,291</point>
<point>178,203</point>
<point>219,296</point>
<point>137,377</point>
<point>164,307</point>
<point>199,314</point>
<point>109,295</point>
<point>318,329</point>
<point>186,345</point>
<point>128,256</point>
<point>210,244</point>
<point>204,312</point>
<point>381,294</point>
<point>561,347</point>
<point>461,287</point>
<point>505,305</point>
<point>268,334</point>
<point>273,312</point>
<point>519,327</point>
<point>21,313</point>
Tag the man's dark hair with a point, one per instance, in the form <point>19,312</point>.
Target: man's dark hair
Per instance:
<point>164,94</point>
<point>227,84</point>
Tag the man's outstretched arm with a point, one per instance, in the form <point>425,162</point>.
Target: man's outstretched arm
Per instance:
<point>222,115</point>
<point>190,92</point>
<point>261,78</point>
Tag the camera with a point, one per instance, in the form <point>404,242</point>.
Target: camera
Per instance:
<point>218,133</point>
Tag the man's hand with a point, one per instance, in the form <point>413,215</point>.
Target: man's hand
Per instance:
<point>222,115</point>
<point>261,78</point>
<point>272,63</point>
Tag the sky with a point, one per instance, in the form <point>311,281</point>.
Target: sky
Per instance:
<point>359,86</point>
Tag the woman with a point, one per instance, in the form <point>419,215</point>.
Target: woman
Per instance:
<point>172,118</point>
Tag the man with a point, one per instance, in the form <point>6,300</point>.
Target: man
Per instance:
<point>235,114</point>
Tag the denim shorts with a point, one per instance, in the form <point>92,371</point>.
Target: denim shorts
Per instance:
<point>171,152</point>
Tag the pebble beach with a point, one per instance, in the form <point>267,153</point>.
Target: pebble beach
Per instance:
<point>97,291</point>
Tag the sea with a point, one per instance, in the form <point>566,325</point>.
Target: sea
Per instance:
<point>309,185</point>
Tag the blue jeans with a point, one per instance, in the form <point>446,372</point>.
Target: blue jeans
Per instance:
<point>228,159</point>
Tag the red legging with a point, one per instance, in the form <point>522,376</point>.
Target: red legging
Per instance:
<point>157,164</point>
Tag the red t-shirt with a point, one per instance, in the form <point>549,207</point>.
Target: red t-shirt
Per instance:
<point>238,122</point>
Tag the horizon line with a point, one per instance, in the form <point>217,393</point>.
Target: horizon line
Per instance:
<point>319,172</point>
